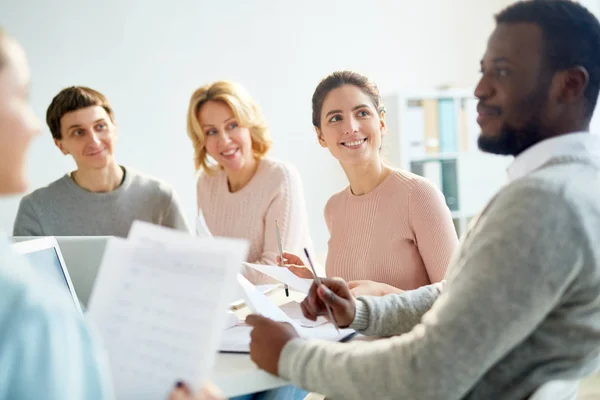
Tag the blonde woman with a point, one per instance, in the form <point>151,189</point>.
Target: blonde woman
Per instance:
<point>242,193</point>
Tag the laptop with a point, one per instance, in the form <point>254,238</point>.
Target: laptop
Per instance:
<point>45,257</point>
<point>83,255</point>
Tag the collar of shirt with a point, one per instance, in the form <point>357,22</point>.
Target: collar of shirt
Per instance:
<point>572,144</point>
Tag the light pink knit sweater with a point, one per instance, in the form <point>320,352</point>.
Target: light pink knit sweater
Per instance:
<point>400,233</point>
<point>273,194</point>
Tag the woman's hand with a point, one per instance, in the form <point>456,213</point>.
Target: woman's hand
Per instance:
<point>295,265</point>
<point>371,288</point>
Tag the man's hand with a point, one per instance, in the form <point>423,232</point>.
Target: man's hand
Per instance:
<point>295,264</point>
<point>267,340</point>
<point>335,293</point>
<point>371,288</point>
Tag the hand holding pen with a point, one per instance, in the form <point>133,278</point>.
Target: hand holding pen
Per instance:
<point>336,301</point>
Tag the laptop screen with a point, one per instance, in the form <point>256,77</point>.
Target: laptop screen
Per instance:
<point>44,255</point>
<point>46,262</point>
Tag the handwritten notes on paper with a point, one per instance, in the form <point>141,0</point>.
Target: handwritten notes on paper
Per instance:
<point>160,302</point>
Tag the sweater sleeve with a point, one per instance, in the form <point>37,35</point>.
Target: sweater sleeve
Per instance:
<point>174,216</point>
<point>27,222</point>
<point>289,210</point>
<point>516,265</point>
<point>328,212</point>
<point>433,230</point>
<point>394,314</point>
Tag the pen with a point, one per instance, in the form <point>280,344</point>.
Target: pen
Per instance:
<point>287,290</point>
<point>318,282</point>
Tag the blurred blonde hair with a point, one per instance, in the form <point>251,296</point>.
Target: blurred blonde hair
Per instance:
<point>3,38</point>
<point>245,110</point>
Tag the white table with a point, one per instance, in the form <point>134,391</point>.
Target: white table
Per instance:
<point>236,374</point>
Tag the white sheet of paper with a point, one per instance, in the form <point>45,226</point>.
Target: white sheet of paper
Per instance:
<point>237,339</point>
<point>159,235</point>
<point>231,320</point>
<point>293,310</point>
<point>283,275</point>
<point>265,289</point>
<point>201,227</point>
<point>261,304</point>
<point>161,310</point>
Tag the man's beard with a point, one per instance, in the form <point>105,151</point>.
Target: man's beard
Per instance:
<point>513,140</point>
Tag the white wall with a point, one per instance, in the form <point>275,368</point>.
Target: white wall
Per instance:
<point>148,57</point>
<point>592,5</point>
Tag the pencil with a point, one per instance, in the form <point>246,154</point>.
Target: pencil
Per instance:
<point>287,290</point>
<point>318,282</point>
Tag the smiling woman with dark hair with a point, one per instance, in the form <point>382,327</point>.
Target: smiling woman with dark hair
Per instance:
<point>390,230</point>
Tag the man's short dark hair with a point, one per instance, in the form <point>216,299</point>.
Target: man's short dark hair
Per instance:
<point>72,99</point>
<point>571,36</point>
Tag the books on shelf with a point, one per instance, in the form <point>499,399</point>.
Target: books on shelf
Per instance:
<point>433,133</point>
<point>444,175</point>
<point>414,122</point>
<point>471,127</point>
<point>447,126</point>
<point>439,126</point>
<point>450,184</point>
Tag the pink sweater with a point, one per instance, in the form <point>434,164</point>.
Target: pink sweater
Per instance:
<point>400,233</point>
<point>273,194</point>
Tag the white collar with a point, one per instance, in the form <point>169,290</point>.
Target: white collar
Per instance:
<point>572,144</point>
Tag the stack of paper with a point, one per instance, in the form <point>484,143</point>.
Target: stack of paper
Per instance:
<point>237,339</point>
<point>265,289</point>
<point>160,302</point>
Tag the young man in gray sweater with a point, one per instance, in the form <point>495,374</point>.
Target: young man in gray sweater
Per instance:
<point>520,305</point>
<point>100,197</point>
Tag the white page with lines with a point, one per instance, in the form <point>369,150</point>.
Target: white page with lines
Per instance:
<point>161,309</point>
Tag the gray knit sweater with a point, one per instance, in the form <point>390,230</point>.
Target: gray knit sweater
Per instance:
<point>520,306</point>
<point>65,209</point>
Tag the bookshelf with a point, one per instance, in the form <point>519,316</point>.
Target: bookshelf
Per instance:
<point>433,133</point>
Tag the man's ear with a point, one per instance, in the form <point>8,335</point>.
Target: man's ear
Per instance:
<point>58,143</point>
<point>320,137</point>
<point>569,85</point>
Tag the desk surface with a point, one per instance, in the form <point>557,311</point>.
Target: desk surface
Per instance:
<point>236,374</point>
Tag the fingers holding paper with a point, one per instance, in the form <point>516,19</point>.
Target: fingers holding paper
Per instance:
<point>267,340</point>
<point>183,392</point>
<point>335,293</point>
<point>295,265</point>
<point>301,272</point>
<point>290,259</point>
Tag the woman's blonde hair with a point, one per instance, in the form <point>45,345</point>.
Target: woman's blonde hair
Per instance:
<point>246,112</point>
<point>3,37</point>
